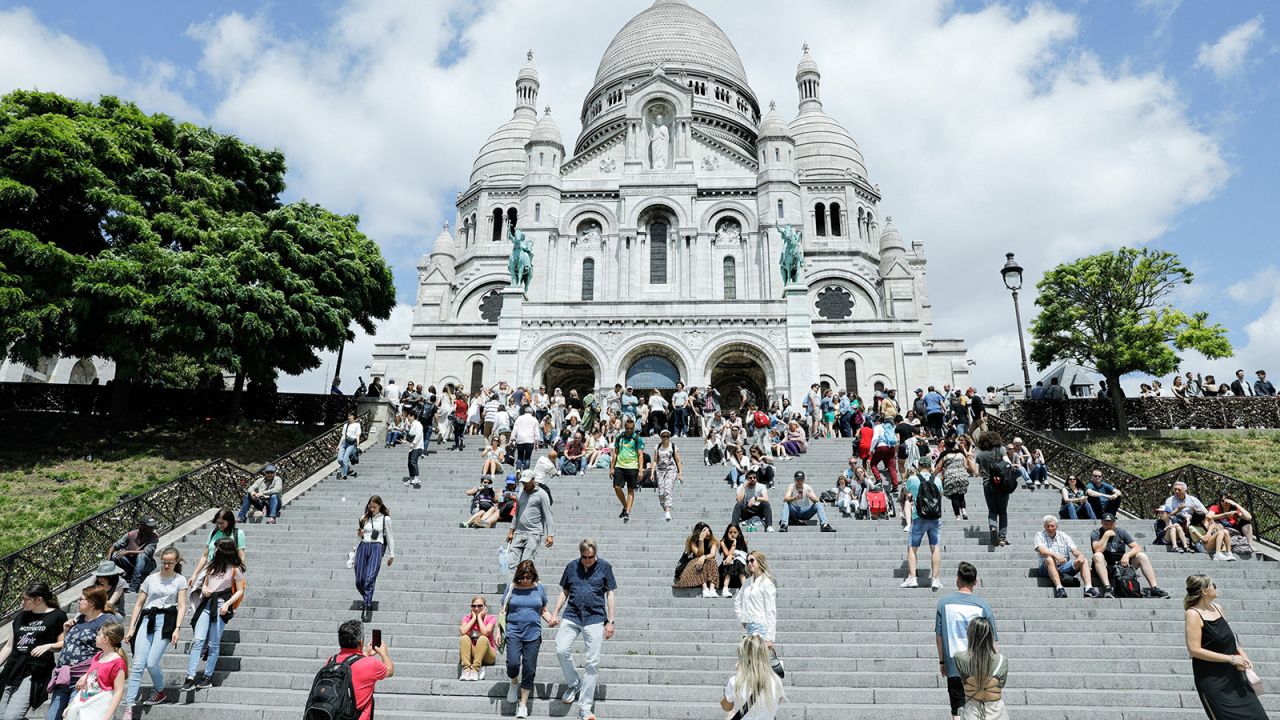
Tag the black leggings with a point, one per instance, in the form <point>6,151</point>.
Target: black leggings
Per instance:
<point>997,508</point>
<point>957,502</point>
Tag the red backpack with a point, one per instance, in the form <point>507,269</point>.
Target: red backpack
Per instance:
<point>761,420</point>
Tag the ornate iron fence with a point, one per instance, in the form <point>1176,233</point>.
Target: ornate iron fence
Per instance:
<point>168,403</point>
<point>68,555</point>
<point>1141,495</point>
<point>1162,413</point>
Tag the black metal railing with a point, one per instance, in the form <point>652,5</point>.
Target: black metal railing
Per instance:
<point>68,555</point>
<point>1141,495</point>
<point>171,403</point>
<point>1161,413</point>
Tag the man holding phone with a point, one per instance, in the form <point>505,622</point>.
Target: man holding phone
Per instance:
<point>374,664</point>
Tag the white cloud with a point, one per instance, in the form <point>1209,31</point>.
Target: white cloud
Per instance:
<point>1261,286</point>
<point>987,131</point>
<point>1227,56</point>
<point>35,57</point>
<point>357,355</point>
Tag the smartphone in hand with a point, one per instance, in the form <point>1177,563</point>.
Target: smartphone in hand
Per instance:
<point>377,638</point>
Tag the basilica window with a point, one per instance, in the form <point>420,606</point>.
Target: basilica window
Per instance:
<point>497,224</point>
<point>820,219</point>
<point>780,209</point>
<point>537,212</point>
<point>491,306</point>
<point>588,279</point>
<point>511,221</point>
<point>477,376</point>
<point>730,279</point>
<point>835,219</point>
<point>777,155</point>
<point>658,253</point>
<point>851,376</point>
<point>834,303</point>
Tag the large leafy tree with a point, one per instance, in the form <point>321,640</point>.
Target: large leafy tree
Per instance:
<point>141,239</point>
<point>1111,312</point>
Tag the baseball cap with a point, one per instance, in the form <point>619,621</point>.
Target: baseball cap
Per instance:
<point>799,475</point>
<point>269,469</point>
<point>511,479</point>
<point>919,390</point>
<point>666,433</point>
<point>148,521</point>
<point>1108,517</point>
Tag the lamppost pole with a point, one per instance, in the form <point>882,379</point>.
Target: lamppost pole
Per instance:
<point>1012,274</point>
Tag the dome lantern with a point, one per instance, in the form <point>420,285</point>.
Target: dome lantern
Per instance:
<point>808,80</point>
<point>527,87</point>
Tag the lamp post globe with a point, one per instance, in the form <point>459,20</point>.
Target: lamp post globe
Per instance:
<point>1011,273</point>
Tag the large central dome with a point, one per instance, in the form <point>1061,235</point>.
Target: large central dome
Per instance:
<point>674,34</point>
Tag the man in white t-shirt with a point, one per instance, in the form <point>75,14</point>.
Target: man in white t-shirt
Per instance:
<point>1059,556</point>
<point>415,449</point>
<point>1181,506</point>
<point>680,410</point>
<point>524,433</point>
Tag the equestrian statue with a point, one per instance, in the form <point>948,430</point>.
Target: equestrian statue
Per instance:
<point>521,263</point>
<point>792,258</point>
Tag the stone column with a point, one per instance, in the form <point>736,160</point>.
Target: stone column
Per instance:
<point>802,348</point>
<point>505,357</point>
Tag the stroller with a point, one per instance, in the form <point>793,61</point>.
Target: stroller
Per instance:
<point>877,502</point>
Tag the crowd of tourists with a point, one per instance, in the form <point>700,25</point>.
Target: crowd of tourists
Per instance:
<point>909,460</point>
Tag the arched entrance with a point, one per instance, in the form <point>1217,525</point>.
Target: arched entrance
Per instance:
<point>652,372</point>
<point>738,366</point>
<point>568,367</point>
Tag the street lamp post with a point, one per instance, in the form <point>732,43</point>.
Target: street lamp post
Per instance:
<point>1012,274</point>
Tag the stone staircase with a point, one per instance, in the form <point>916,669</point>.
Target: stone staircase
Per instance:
<point>855,645</point>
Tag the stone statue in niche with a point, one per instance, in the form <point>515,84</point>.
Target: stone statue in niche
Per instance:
<point>589,234</point>
<point>728,233</point>
<point>659,143</point>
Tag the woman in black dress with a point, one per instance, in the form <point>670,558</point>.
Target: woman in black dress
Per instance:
<point>1217,660</point>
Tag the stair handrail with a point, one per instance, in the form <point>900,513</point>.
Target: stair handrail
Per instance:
<point>69,555</point>
<point>1140,496</point>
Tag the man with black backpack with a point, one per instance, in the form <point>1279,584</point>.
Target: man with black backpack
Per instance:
<point>926,519</point>
<point>1115,552</point>
<point>343,689</point>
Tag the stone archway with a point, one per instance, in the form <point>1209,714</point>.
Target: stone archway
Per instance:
<point>739,365</point>
<point>568,367</point>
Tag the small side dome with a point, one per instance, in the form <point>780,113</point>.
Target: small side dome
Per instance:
<point>773,126</point>
<point>444,244</point>
<point>546,132</point>
<point>890,239</point>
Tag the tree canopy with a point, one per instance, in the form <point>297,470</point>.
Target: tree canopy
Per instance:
<point>1112,312</point>
<point>142,239</point>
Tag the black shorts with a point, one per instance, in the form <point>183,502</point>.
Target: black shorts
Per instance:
<point>955,691</point>
<point>629,477</point>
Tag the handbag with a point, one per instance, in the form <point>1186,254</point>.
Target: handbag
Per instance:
<point>502,620</point>
<point>1254,681</point>
<point>89,704</point>
<point>775,662</point>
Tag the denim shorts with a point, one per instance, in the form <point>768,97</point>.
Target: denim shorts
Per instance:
<point>1066,568</point>
<point>753,628</point>
<point>921,527</point>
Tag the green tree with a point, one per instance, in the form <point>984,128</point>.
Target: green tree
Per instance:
<point>141,239</point>
<point>1111,312</point>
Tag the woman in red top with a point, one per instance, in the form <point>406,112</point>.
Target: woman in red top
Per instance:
<point>99,691</point>
<point>865,435</point>
<point>459,419</point>
<point>478,640</point>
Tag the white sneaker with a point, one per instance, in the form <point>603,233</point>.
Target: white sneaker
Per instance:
<point>667,516</point>
<point>708,593</point>
<point>936,584</point>
<point>464,675</point>
<point>513,692</point>
<point>769,529</point>
<point>1217,556</point>
<point>1230,557</point>
<point>415,483</point>
<point>909,583</point>
<point>351,559</point>
<point>479,675</point>
<point>522,711</point>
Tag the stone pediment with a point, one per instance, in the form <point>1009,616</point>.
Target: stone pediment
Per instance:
<point>897,271</point>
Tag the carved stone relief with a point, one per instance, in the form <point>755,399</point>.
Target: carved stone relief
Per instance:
<point>608,165</point>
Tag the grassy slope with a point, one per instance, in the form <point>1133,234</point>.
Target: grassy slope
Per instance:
<point>54,473</point>
<point>1252,456</point>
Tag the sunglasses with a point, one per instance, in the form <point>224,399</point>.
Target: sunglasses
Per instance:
<point>477,605</point>
<point>751,561</point>
<point>587,557</point>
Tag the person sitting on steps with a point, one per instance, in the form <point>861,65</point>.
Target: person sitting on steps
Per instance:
<point>478,637</point>
<point>753,502</point>
<point>263,494</point>
<point>1059,556</point>
<point>733,558</point>
<point>800,503</point>
<point>1111,546</point>
<point>697,566</point>
<point>492,454</point>
<point>1103,497</point>
<point>484,505</point>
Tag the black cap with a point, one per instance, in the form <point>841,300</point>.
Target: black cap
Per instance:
<point>1108,517</point>
<point>148,521</point>
<point>799,475</point>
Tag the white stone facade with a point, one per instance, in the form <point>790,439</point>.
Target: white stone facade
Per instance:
<point>656,241</point>
<point>61,370</point>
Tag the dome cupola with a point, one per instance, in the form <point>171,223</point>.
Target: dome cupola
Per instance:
<point>773,127</point>
<point>502,157</point>
<point>546,132</point>
<point>824,149</point>
<point>444,244</point>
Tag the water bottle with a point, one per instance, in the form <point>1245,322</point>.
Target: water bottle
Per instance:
<point>503,562</point>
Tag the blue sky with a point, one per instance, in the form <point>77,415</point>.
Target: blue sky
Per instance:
<point>1156,118</point>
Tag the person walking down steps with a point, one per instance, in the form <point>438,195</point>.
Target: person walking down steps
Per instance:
<point>532,524</point>
<point>349,447</point>
<point>376,541</point>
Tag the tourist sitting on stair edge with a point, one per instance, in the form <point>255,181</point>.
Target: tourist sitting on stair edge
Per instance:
<point>753,502</point>
<point>1059,556</point>
<point>478,637</point>
<point>263,494</point>
<point>800,503</point>
<point>1115,546</point>
<point>697,565</point>
<point>733,558</point>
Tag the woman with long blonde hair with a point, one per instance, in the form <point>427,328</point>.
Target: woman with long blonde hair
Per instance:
<point>754,691</point>
<point>983,672</point>
<point>756,605</point>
